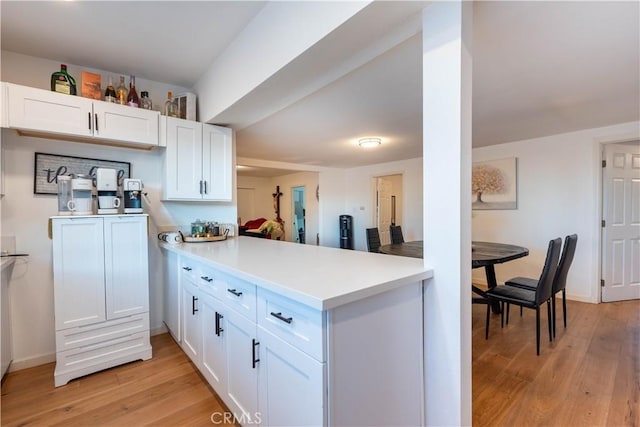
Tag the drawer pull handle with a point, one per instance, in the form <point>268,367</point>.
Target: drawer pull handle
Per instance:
<point>236,293</point>
<point>218,328</point>
<point>281,317</point>
<point>89,114</point>
<point>254,361</point>
<point>187,268</point>
<point>96,116</point>
<point>193,305</point>
<point>207,278</point>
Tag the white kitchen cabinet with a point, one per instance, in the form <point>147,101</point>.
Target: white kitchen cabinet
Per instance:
<point>6,347</point>
<point>191,322</point>
<point>101,293</point>
<point>214,349</point>
<point>198,160</point>
<point>47,113</point>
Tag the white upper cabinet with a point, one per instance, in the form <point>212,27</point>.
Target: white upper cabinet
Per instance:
<point>51,113</point>
<point>198,160</point>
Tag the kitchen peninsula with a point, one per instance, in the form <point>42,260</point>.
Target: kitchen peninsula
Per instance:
<point>291,334</point>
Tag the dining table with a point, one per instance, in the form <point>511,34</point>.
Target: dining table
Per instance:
<point>483,254</point>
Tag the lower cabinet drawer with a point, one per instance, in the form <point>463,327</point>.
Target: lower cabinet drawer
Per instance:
<point>299,325</point>
<point>82,336</point>
<point>106,351</point>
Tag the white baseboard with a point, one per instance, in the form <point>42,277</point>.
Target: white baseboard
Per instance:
<point>18,365</point>
<point>157,330</point>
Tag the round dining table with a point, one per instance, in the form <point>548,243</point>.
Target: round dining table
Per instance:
<point>483,254</point>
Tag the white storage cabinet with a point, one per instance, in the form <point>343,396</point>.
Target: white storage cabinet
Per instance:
<point>198,160</point>
<point>50,113</point>
<point>101,293</point>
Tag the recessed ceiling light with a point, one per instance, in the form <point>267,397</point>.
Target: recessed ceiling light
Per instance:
<point>369,142</point>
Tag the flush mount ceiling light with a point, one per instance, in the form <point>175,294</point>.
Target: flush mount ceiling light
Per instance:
<point>369,142</point>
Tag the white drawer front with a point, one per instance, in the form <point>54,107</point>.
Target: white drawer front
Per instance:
<point>239,295</point>
<point>104,352</point>
<point>104,331</point>
<point>189,269</point>
<point>297,324</point>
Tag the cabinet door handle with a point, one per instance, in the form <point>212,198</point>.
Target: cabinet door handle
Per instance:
<point>205,187</point>
<point>254,361</point>
<point>187,268</point>
<point>193,305</point>
<point>89,116</point>
<point>218,328</point>
<point>200,187</point>
<point>236,293</point>
<point>206,278</point>
<point>96,116</point>
<point>281,317</point>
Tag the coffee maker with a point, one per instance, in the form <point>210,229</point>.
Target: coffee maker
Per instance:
<point>81,202</point>
<point>107,187</point>
<point>132,189</point>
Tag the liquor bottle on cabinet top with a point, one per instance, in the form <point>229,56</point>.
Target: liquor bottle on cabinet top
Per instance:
<point>110,92</point>
<point>62,82</point>
<point>145,101</point>
<point>132,98</point>
<point>170,106</point>
<point>121,92</point>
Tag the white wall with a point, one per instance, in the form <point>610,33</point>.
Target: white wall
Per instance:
<point>360,198</point>
<point>559,193</point>
<point>25,215</point>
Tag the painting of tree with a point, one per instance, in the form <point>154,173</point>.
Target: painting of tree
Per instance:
<point>493,184</point>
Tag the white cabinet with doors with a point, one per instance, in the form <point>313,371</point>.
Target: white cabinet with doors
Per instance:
<point>47,113</point>
<point>198,160</point>
<point>101,293</point>
<point>172,294</point>
<point>191,322</point>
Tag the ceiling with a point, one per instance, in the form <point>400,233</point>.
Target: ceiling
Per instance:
<point>539,68</point>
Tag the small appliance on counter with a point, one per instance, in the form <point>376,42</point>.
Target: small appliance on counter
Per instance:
<point>64,194</point>
<point>132,190</point>
<point>107,187</point>
<point>81,202</point>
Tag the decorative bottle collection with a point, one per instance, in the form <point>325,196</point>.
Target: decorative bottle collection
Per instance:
<point>62,82</point>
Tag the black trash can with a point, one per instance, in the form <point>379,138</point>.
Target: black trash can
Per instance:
<point>346,232</point>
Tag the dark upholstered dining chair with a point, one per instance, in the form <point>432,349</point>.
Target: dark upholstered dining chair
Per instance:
<point>559,281</point>
<point>373,240</point>
<point>530,298</point>
<point>396,234</point>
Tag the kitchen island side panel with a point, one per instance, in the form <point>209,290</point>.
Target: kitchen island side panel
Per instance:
<point>376,364</point>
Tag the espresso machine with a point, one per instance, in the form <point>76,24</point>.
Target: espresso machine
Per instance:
<point>132,191</point>
<point>107,187</point>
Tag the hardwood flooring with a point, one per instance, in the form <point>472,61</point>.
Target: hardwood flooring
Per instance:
<point>588,376</point>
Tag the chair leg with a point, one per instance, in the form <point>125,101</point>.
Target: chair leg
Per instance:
<point>486,325</point>
<point>564,307</point>
<point>508,310</point>
<point>549,320</point>
<point>538,330</point>
<point>520,311</point>
<point>501,314</point>
<point>553,308</point>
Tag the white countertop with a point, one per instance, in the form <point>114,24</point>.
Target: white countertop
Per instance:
<point>317,276</point>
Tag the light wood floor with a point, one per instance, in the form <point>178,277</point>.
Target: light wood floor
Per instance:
<point>589,376</point>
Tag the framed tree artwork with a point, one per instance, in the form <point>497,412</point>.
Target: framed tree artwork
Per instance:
<point>494,184</point>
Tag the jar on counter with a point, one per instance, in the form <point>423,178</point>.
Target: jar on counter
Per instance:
<point>198,228</point>
<point>145,101</point>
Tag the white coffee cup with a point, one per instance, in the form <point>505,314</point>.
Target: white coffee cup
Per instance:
<point>108,202</point>
<point>80,206</point>
<point>171,237</point>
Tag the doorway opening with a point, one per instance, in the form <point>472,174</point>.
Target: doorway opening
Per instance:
<point>298,214</point>
<point>388,205</point>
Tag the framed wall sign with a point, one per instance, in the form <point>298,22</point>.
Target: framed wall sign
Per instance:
<point>494,184</point>
<point>49,166</point>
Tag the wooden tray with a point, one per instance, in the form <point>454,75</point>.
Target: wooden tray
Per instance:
<point>189,239</point>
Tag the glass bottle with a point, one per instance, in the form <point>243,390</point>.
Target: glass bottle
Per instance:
<point>110,92</point>
<point>132,98</point>
<point>121,92</point>
<point>145,101</point>
<point>62,82</point>
<point>170,106</point>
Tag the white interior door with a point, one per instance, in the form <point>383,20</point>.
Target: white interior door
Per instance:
<point>384,209</point>
<point>621,215</point>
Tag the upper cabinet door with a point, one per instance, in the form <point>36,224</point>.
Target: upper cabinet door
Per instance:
<point>123,123</point>
<point>217,163</point>
<point>51,112</point>
<point>183,174</point>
